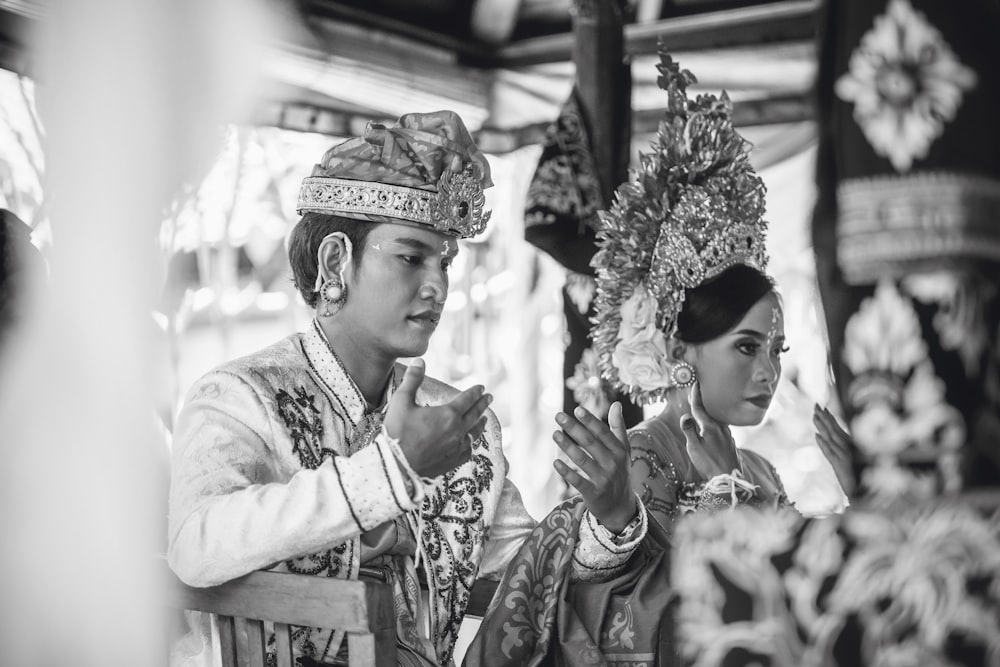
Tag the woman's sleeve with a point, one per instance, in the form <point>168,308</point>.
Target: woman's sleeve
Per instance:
<point>231,512</point>
<point>600,555</point>
<point>511,526</point>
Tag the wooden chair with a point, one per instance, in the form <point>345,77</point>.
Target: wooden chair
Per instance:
<point>363,609</point>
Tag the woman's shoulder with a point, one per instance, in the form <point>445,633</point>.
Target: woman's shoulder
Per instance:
<point>652,442</point>
<point>652,433</point>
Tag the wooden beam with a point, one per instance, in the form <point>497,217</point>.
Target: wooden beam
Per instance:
<point>773,22</point>
<point>604,86</point>
<point>746,113</point>
<point>468,51</point>
<point>497,141</point>
<point>493,21</point>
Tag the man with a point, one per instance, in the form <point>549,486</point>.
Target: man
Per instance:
<point>321,455</point>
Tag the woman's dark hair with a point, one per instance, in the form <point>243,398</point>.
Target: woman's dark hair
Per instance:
<point>717,305</point>
<point>304,241</point>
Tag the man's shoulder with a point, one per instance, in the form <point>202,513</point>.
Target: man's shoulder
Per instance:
<point>267,365</point>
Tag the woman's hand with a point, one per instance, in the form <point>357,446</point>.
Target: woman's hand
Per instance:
<point>601,451</point>
<point>835,444</point>
<point>438,438</point>
<point>710,445</point>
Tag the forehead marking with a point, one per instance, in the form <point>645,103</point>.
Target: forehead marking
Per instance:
<point>772,333</point>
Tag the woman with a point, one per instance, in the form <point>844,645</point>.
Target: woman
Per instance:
<point>686,315</point>
<point>722,365</point>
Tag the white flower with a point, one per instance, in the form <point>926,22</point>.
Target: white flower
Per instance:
<point>905,83</point>
<point>639,318</point>
<point>643,363</point>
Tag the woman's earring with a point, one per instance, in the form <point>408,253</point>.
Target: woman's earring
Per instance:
<point>334,295</point>
<point>682,373</point>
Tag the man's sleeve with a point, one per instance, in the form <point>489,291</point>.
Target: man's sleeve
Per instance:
<point>232,511</point>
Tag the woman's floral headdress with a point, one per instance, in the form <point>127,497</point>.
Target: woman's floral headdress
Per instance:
<point>693,208</point>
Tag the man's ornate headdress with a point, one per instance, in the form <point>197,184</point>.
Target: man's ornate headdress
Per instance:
<point>426,171</point>
<point>692,209</point>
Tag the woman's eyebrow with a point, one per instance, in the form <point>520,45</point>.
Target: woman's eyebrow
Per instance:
<point>749,332</point>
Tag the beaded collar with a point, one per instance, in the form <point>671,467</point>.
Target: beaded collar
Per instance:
<point>337,382</point>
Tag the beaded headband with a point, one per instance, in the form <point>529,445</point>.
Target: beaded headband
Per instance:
<point>456,208</point>
<point>693,209</point>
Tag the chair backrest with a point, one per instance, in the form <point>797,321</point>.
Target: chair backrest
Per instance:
<point>363,609</point>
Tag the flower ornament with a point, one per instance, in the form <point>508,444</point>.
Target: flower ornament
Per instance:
<point>641,353</point>
<point>905,83</point>
<point>692,209</point>
<point>587,386</point>
<point>638,317</point>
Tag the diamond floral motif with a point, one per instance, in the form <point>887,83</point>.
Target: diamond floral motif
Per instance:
<point>905,83</point>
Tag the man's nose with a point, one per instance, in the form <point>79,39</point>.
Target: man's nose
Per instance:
<point>435,286</point>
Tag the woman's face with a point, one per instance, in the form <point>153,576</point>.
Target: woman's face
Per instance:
<point>397,291</point>
<point>738,371</point>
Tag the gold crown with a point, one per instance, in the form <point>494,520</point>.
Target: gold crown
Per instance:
<point>458,207</point>
<point>693,209</point>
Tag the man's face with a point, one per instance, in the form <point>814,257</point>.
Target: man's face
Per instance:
<point>398,289</point>
<point>739,371</point>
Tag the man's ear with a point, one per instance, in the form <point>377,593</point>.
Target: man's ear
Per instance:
<point>333,255</point>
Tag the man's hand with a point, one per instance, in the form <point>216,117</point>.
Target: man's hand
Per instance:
<point>435,439</point>
<point>710,445</point>
<point>602,453</point>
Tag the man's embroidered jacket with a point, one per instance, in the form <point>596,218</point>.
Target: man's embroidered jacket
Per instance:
<point>276,464</point>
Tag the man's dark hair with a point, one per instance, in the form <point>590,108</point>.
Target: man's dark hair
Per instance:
<point>303,244</point>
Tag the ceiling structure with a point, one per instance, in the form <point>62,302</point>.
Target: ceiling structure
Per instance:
<point>504,65</point>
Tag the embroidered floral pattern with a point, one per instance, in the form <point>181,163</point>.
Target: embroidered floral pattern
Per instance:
<point>912,588</point>
<point>454,532</point>
<point>587,386</point>
<point>900,402</point>
<point>305,425</point>
<point>960,318</point>
<point>566,183</point>
<point>905,83</point>
<point>530,623</point>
